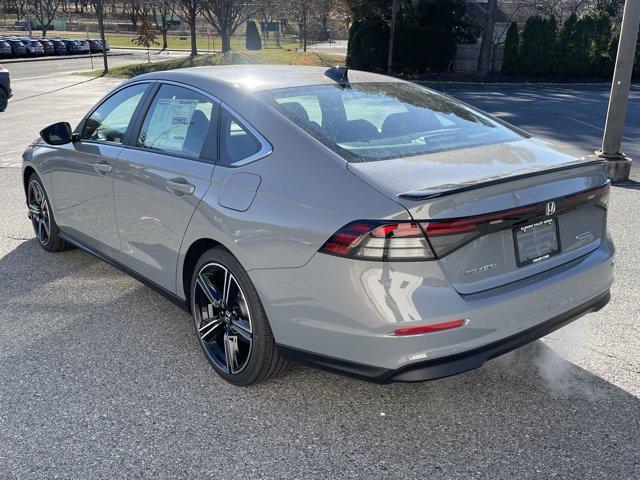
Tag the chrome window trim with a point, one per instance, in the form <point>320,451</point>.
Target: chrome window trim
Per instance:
<point>266,148</point>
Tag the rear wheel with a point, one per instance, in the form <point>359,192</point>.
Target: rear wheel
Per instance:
<point>41,216</point>
<point>230,321</point>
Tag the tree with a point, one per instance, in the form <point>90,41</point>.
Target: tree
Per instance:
<point>252,37</point>
<point>161,12</point>
<point>45,11</point>
<point>146,37</point>
<point>539,44</point>
<point>227,15</point>
<point>511,50</point>
<point>427,33</point>
<point>188,11</point>
<point>486,47</point>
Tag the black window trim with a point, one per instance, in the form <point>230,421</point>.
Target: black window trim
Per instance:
<point>125,139</point>
<point>142,114</point>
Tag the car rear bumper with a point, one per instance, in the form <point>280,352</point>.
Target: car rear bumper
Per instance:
<point>342,314</point>
<point>450,365</point>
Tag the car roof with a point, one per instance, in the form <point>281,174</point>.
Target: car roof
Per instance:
<point>257,78</point>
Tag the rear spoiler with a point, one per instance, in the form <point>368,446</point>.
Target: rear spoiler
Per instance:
<point>450,189</point>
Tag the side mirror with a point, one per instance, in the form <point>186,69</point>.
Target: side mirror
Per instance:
<point>58,134</point>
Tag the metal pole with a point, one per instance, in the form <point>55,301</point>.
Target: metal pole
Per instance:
<point>619,165</point>
<point>392,34</point>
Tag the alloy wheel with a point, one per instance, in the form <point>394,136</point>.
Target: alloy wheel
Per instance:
<point>39,213</point>
<point>222,318</point>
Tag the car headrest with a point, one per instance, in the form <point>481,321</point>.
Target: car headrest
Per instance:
<point>405,123</point>
<point>297,110</point>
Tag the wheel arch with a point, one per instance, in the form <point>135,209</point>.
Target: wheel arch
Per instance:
<point>26,174</point>
<point>193,253</point>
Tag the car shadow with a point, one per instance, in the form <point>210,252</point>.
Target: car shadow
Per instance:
<point>84,346</point>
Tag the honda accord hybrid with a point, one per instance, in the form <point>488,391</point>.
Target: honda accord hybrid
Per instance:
<point>355,221</point>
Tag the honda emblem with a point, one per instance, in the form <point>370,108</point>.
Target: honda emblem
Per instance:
<point>551,208</point>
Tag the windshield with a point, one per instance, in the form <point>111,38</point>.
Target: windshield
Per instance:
<point>378,121</point>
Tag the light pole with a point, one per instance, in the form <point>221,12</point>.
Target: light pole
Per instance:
<point>392,34</point>
<point>618,164</point>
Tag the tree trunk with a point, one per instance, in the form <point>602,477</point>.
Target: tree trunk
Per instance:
<point>226,42</point>
<point>164,39</point>
<point>192,32</point>
<point>486,47</point>
<point>304,34</point>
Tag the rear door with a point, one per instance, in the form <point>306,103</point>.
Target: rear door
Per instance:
<point>82,173</point>
<point>161,177</point>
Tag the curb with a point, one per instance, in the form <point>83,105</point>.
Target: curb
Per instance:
<point>61,57</point>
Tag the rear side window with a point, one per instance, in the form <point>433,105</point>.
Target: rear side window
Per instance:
<point>378,121</point>
<point>237,142</point>
<point>109,122</point>
<point>179,121</point>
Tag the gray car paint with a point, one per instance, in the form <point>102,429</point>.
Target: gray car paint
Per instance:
<point>320,303</point>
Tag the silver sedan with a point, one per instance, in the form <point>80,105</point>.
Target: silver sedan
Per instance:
<point>352,220</point>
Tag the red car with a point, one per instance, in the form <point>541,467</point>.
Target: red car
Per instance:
<point>48,47</point>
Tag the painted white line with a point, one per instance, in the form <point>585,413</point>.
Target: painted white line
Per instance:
<point>598,128</point>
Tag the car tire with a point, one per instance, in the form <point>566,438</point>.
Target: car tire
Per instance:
<point>4,100</point>
<point>230,321</point>
<point>42,217</point>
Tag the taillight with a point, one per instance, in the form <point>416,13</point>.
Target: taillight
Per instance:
<point>380,241</point>
<point>428,240</point>
<point>600,195</point>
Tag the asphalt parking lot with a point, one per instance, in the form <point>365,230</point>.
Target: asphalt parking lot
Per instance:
<point>102,378</point>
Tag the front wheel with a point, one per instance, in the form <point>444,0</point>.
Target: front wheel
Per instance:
<point>230,322</point>
<point>44,225</point>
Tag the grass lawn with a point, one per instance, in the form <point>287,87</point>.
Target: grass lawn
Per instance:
<point>174,41</point>
<point>270,56</point>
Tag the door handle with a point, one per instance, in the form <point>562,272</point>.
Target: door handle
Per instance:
<point>102,167</point>
<point>180,187</point>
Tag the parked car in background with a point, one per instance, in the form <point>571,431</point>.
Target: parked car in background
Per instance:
<point>34,47</point>
<point>84,46</point>
<point>60,48</point>
<point>5,88</point>
<point>47,46</point>
<point>99,41</point>
<point>5,49</point>
<point>95,46</point>
<point>73,46</point>
<point>17,47</point>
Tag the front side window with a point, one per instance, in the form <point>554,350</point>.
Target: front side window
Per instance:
<point>179,121</point>
<point>109,122</point>
<point>378,121</point>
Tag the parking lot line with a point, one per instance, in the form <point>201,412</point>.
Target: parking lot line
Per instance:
<point>599,128</point>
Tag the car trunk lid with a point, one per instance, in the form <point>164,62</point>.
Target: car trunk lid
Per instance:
<point>498,214</point>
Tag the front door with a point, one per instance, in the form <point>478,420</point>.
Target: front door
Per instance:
<point>161,178</point>
<point>82,177</point>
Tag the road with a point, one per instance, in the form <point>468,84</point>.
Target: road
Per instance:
<point>46,66</point>
<point>102,378</point>
<point>571,117</point>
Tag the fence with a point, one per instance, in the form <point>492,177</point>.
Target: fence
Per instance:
<point>466,59</point>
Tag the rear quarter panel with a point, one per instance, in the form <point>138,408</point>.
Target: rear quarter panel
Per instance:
<point>305,194</point>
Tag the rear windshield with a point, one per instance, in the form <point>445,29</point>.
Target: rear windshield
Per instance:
<point>378,121</point>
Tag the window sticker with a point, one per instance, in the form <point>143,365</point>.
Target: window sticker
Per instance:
<point>169,123</point>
